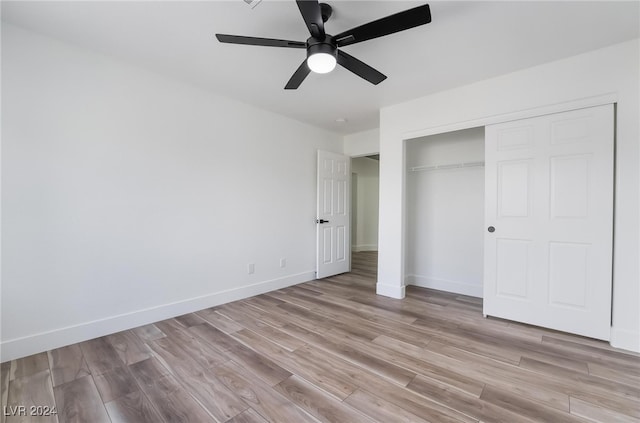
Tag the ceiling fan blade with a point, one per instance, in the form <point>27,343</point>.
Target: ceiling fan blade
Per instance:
<point>298,76</point>
<point>255,41</point>
<point>391,24</point>
<point>310,11</point>
<point>360,68</point>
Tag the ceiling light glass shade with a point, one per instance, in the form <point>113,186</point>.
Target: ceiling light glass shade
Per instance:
<point>321,62</point>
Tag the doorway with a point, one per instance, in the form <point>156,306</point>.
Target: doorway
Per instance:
<point>365,183</point>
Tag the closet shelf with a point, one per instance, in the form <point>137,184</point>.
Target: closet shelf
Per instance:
<point>446,166</point>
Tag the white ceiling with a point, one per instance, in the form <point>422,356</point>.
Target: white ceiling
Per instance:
<point>466,42</point>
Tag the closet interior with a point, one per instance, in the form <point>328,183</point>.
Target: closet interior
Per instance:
<point>445,211</point>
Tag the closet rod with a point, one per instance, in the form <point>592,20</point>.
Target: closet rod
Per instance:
<point>446,166</point>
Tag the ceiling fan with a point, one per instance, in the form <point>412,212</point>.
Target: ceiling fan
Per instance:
<point>322,48</point>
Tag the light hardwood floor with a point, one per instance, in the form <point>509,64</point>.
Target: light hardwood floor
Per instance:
<point>331,351</point>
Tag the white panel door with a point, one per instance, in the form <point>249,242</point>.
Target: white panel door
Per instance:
<point>333,218</point>
<point>549,217</point>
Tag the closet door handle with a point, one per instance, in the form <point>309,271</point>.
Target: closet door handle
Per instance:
<point>491,229</point>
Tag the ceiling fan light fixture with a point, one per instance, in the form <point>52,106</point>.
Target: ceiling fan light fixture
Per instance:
<point>321,62</point>
<point>321,57</point>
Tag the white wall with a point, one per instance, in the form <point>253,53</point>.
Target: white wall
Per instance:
<point>445,213</point>
<point>367,198</point>
<point>363,143</point>
<point>129,197</point>
<point>612,73</point>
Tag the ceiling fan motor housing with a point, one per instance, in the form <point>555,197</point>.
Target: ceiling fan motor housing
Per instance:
<point>325,45</point>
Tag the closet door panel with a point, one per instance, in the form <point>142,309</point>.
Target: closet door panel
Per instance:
<point>549,205</point>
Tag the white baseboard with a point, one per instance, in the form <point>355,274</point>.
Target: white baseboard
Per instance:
<point>364,247</point>
<point>625,339</point>
<point>33,344</point>
<point>393,291</point>
<point>445,285</point>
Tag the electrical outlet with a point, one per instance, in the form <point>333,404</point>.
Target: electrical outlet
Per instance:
<point>251,268</point>
<point>283,262</point>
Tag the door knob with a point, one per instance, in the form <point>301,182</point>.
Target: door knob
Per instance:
<point>491,229</point>
<point>321,221</point>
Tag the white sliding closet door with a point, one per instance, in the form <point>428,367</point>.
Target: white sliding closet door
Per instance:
<point>549,218</point>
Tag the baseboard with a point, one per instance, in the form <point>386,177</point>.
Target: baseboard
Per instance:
<point>33,344</point>
<point>625,339</point>
<point>393,291</point>
<point>445,285</point>
<point>364,247</point>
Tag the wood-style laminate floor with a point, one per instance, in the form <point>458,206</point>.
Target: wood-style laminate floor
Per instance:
<point>331,351</point>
